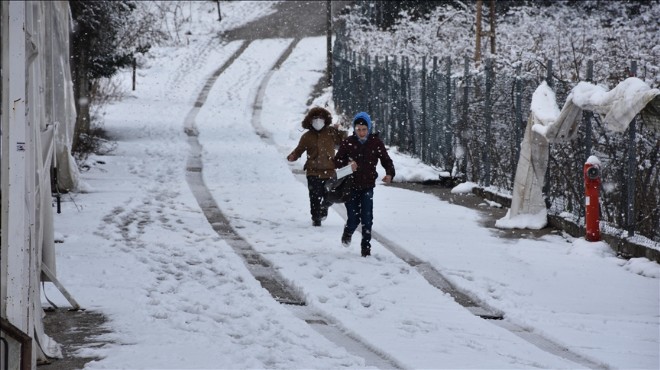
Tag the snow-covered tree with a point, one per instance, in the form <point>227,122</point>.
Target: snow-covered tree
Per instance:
<point>95,53</point>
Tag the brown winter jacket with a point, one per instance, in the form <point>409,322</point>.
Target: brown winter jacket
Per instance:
<point>319,145</point>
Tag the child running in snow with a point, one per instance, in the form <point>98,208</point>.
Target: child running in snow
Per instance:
<point>362,151</point>
<point>319,142</point>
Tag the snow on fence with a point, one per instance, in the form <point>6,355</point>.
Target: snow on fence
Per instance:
<point>471,122</point>
<point>38,115</point>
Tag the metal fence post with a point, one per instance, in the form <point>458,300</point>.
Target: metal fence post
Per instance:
<point>424,130</point>
<point>433,110</point>
<point>338,83</point>
<point>448,126</point>
<point>396,102</point>
<point>488,119</point>
<point>368,86</point>
<point>632,167</point>
<point>354,93</point>
<point>402,126</point>
<point>362,101</point>
<point>588,115</point>
<point>410,112</point>
<point>518,123</point>
<point>387,114</point>
<point>466,105</point>
<point>378,90</point>
<point>546,185</point>
<point>363,85</point>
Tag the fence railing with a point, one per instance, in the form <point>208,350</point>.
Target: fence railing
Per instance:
<point>472,122</point>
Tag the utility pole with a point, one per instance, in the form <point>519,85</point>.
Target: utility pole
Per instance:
<point>480,32</point>
<point>329,42</point>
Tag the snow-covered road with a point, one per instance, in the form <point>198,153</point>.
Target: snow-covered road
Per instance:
<point>138,247</point>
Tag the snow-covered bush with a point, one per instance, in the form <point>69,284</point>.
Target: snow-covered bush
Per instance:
<point>612,34</point>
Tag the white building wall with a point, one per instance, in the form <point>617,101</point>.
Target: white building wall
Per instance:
<point>38,117</point>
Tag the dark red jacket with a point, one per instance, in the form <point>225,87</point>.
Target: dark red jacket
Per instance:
<point>366,156</point>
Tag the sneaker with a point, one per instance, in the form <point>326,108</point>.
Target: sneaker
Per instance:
<point>366,249</point>
<point>316,222</point>
<point>346,239</point>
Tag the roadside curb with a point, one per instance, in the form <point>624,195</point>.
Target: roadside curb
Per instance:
<point>623,246</point>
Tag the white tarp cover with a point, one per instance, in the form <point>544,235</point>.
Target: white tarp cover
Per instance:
<point>618,106</point>
<point>527,196</point>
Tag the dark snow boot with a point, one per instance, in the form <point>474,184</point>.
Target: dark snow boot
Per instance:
<point>316,222</point>
<point>366,249</point>
<point>324,211</point>
<point>346,239</point>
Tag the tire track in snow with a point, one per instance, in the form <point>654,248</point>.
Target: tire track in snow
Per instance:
<point>201,54</point>
<point>261,269</point>
<point>189,123</point>
<point>477,308</point>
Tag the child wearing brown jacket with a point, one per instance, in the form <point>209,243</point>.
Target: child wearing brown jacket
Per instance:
<point>319,142</point>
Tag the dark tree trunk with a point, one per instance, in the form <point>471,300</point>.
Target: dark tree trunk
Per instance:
<point>80,74</point>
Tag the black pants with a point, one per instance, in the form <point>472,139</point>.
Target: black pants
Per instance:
<point>317,204</point>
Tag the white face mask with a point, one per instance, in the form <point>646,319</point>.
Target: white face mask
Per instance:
<point>318,123</point>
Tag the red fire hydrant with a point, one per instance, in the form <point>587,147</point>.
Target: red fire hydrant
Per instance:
<point>592,208</point>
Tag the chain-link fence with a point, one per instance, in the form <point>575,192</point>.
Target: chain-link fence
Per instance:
<point>472,124</point>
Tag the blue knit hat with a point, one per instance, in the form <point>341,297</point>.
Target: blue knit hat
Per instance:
<point>361,118</point>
